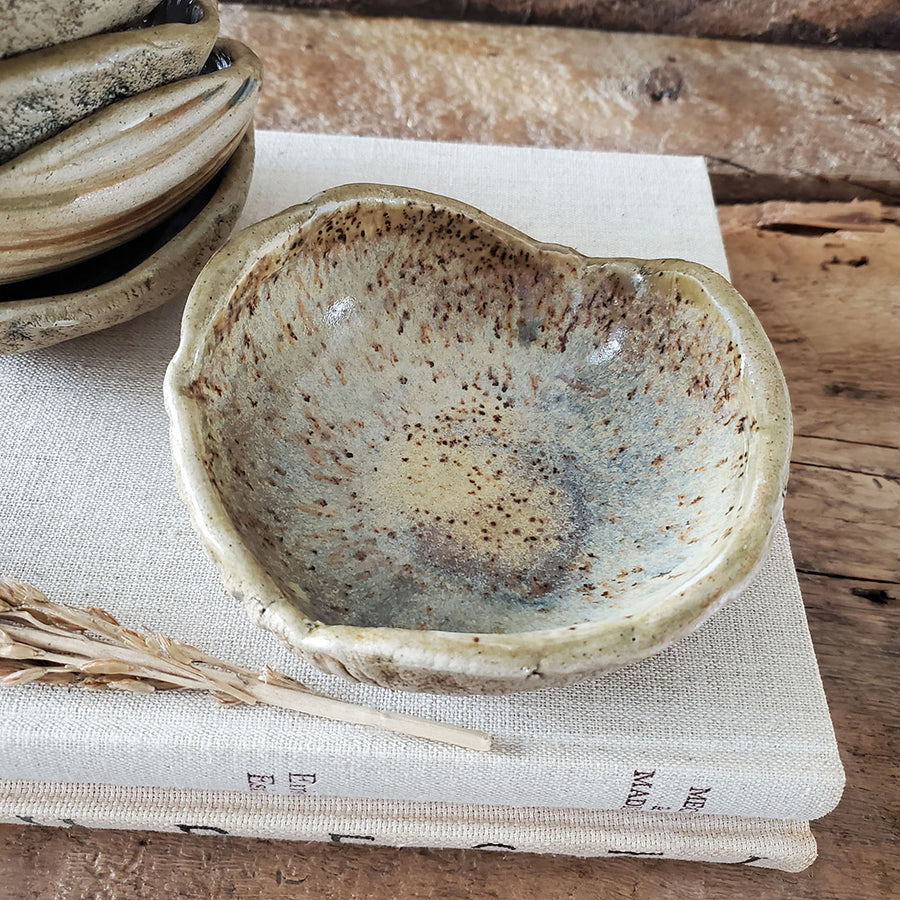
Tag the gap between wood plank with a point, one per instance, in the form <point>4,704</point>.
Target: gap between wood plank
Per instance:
<point>811,465</point>
<point>820,437</point>
<point>847,577</point>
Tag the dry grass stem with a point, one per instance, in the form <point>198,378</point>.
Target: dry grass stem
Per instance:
<point>44,641</point>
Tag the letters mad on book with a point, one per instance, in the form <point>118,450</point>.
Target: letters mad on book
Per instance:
<point>642,786</point>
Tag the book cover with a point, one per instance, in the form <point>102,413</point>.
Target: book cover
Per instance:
<point>731,721</point>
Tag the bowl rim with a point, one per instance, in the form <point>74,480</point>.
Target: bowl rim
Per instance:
<point>93,47</point>
<point>115,203</point>
<point>107,15</point>
<point>54,68</point>
<point>527,659</point>
<point>55,318</point>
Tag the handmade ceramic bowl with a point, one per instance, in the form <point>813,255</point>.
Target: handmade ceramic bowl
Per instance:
<point>121,170</point>
<point>154,268</point>
<point>31,24</point>
<point>433,454</point>
<point>43,92</point>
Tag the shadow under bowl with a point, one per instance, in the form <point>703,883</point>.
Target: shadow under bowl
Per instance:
<point>433,454</point>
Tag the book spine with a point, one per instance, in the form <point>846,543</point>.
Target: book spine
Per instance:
<point>574,780</point>
<point>788,846</point>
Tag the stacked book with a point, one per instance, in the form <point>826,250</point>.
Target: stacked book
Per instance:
<point>720,748</point>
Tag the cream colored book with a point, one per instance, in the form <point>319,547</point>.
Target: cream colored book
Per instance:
<point>764,843</point>
<point>730,722</point>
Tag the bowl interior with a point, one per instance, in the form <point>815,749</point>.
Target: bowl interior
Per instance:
<point>416,421</point>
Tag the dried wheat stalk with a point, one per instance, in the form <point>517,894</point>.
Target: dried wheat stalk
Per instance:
<point>57,644</point>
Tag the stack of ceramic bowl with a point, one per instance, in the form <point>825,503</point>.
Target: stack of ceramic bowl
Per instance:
<point>126,150</point>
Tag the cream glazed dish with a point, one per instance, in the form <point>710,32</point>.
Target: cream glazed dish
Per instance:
<point>433,454</point>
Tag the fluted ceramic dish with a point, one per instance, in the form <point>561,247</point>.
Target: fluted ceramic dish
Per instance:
<point>154,268</point>
<point>433,454</point>
<point>43,92</point>
<point>31,24</point>
<point>118,172</point>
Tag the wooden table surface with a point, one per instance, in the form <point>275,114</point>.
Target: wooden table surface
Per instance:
<point>825,281</point>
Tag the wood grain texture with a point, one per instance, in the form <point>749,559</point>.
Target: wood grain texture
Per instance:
<point>863,23</point>
<point>844,523</point>
<point>73,863</point>
<point>830,303</point>
<point>842,515</point>
<point>773,122</point>
<point>847,455</point>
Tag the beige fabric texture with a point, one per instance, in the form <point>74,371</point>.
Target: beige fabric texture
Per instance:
<point>731,721</point>
<point>770,844</point>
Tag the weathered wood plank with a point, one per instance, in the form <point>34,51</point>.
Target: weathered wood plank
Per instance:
<point>836,324</point>
<point>74,863</point>
<point>852,625</point>
<point>808,218</point>
<point>830,302</point>
<point>773,122</point>
<point>847,455</point>
<point>870,23</point>
<point>844,523</point>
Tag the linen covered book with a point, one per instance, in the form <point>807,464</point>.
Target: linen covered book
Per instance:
<point>732,721</point>
<point>762,843</point>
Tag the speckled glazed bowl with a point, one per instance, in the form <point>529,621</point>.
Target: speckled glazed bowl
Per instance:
<point>121,170</point>
<point>43,92</point>
<point>30,24</point>
<point>432,454</point>
<point>145,273</point>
